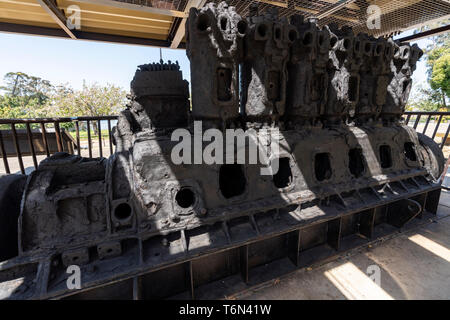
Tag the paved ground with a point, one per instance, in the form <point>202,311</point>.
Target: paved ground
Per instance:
<point>412,265</point>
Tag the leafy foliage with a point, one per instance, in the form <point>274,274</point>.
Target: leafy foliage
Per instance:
<point>91,100</point>
<point>438,72</point>
<point>19,84</point>
<point>27,96</point>
<point>425,99</point>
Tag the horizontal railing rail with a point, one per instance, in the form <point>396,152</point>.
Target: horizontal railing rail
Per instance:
<point>56,122</point>
<point>431,123</point>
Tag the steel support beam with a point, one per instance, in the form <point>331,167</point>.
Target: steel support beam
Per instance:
<point>132,6</point>
<point>425,34</point>
<point>274,3</point>
<point>57,15</point>
<point>81,35</point>
<point>182,27</point>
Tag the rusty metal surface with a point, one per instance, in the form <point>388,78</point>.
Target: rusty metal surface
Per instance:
<point>140,225</point>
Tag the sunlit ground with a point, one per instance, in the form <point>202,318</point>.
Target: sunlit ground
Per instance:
<point>411,265</point>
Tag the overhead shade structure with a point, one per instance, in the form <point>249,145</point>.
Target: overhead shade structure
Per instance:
<point>161,22</point>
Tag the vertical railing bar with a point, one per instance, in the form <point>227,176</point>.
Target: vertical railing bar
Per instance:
<point>110,138</point>
<point>417,121</point>
<point>426,124</point>
<point>446,135</point>
<point>407,119</point>
<point>58,136</point>
<point>44,139</point>
<point>437,127</point>
<point>16,144</point>
<point>77,128</point>
<point>4,156</point>
<point>89,138</point>
<point>30,142</point>
<point>100,148</point>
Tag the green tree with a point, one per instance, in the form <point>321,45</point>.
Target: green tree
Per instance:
<point>437,54</point>
<point>24,96</point>
<point>424,100</point>
<point>438,65</point>
<point>13,107</point>
<point>440,75</point>
<point>91,100</point>
<point>20,84</point>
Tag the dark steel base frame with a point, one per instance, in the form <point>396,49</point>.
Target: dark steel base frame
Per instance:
<point>215,261</point>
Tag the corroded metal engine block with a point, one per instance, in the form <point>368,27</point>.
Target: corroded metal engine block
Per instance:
<point>214,37</point>
<point>140,225</point>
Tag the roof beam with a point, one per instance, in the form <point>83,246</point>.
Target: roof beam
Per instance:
<point>314,12</point>
<point>181,30</point>
<point>426,34</point>
<point>132,6</point>
<point>82,35</point>
<point>333,8</point>
<point>274,3</point>
<point>57,15</point>
<point>419,26</point>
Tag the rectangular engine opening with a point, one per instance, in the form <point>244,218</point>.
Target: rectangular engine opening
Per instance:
<point>353,88</point>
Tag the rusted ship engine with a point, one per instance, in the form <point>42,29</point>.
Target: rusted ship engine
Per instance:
<point>140,226</point>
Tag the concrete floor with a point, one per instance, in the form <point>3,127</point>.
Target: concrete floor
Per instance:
<point>413,265</point>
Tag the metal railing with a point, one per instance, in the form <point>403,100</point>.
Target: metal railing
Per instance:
<point>41,123</point>
<point>430,123</point>
<point>416,116</point>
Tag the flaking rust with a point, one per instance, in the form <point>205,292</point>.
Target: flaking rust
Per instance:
<point>140,226</point>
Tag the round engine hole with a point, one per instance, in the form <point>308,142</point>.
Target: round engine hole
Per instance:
<point>185,198</point>
<point>122,211</point>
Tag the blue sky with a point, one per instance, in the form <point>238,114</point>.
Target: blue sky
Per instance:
<point>72,61</point>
